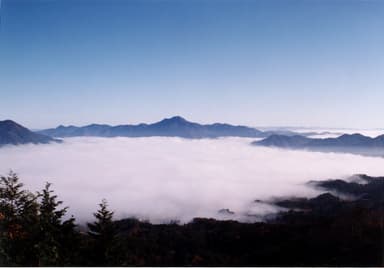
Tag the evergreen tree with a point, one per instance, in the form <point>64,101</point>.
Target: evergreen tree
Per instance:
<point>102,232</point>
<point>18,222</point>
<point>54,232</point>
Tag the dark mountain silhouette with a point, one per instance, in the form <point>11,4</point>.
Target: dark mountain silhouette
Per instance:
<point>283,141</point>
<point>13,133</point>
<point>169,127</point>
<point>367,192</point>
<point>348,140</point>
<point>349,143</point>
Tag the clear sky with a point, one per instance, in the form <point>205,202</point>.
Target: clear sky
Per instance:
<point>259,63</point>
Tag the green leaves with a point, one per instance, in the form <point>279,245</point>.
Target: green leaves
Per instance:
<point>103,224</point>
<point>32,229</point>
<point>103,233</point>
<point>18,218</point>
<point>51,227</point>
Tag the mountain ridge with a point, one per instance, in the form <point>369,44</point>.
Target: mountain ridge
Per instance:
<point>175,126</point>
<point>349,143</point>
<point>12,133</point>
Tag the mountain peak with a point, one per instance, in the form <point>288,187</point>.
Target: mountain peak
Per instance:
<point>9,125</point>
<point>175,126</point>
<point>8,122</point>
<point>177,118</point>
<point>13,133</point>
<point>354,135</point>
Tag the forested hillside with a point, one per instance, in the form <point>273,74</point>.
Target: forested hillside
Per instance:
<point>322,231</point>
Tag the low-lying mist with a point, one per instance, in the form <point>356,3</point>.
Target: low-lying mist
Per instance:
<point>163,179</point>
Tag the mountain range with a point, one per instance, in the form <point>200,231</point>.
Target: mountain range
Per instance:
<point>13,133</point>
<point>175,126</point>
<point>349,143</point>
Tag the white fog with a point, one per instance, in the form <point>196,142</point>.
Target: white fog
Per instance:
<point>163,179</point>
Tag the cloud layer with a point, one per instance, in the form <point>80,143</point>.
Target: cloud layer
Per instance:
<point>162,179</point>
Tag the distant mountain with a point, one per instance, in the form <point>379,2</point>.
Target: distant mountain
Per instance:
<point>350,143</point>
<point>169,127</point>
<point>284,141</point>
<point>13,133</point>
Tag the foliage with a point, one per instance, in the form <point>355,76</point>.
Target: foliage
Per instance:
<point>53,230</point>
<point>32,229</point>
<point>102,232</point>
<point>326,231</point>
<point>18,220</point>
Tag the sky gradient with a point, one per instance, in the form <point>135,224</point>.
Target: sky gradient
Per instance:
<point>259,63</point>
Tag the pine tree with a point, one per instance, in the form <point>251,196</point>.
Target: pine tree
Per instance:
<point>102,231</point>
<point>53,230</point>
<point>18,221</point>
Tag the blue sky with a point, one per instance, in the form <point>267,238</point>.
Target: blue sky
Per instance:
<point>259,63</point>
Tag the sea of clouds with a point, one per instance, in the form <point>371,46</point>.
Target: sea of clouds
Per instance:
<point>162,179</point>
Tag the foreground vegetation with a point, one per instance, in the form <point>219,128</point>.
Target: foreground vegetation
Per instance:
<point>322,231</point>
